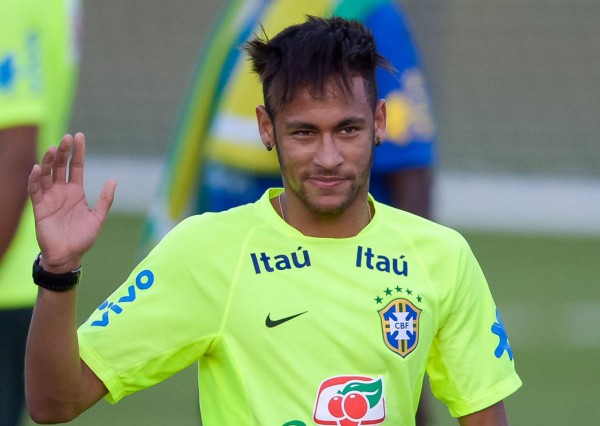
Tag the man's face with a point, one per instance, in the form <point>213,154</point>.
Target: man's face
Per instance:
<point>325,147</point>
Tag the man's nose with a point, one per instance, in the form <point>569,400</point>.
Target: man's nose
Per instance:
<point>328,154</point>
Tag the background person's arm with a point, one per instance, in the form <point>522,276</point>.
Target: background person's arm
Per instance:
<point>410,190</point>
<point>17,157</point>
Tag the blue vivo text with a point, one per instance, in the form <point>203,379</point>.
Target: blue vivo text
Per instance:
<point>143,281</point>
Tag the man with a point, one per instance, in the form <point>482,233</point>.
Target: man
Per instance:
<point>38,69</point>
<point>314,305</point>
<point>217,161</point>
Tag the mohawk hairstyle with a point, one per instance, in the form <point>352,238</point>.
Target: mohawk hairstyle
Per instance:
<point>309,54</point>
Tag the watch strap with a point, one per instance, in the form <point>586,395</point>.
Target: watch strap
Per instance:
<point>54,282</point>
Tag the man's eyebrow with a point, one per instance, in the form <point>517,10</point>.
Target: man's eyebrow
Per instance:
<point>299,125</point>
<point>350,121</point>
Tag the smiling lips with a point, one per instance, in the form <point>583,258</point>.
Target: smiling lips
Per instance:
<point>326,181</point>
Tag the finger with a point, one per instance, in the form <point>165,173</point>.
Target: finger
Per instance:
<point>77,159</point>
<point>46,168</point>
<point>34,187</point>
<point>107,195</point>
<point>59,168</point>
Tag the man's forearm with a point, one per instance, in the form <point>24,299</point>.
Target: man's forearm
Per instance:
<point>58,385</point>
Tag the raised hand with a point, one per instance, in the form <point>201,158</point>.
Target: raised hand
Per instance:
<point>66,226</point>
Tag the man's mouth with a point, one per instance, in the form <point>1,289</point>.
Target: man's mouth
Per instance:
<point>326,181</point>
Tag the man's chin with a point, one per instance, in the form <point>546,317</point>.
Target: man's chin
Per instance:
<point>328,205</point>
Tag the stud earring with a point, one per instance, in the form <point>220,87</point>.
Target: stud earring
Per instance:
<point>269,147</point>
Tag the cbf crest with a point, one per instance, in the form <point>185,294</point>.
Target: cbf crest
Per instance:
<point>400,326</point>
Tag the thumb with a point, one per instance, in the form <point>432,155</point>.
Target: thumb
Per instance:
<point>105,200</point>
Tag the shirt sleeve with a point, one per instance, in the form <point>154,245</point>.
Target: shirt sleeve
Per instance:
<point>163,318</point>
<point>21,73</point>
<point>471,364</point>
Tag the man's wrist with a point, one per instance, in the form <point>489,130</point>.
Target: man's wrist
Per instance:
<point>54,281</point>
<point>62,265</point>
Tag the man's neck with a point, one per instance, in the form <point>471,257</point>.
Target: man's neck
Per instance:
<point>346,224</point>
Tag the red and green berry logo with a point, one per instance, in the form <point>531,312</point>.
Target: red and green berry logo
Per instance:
<point>350,401</point>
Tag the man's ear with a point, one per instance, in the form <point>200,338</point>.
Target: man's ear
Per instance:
<point>380,119</point>
<point>265,127</point>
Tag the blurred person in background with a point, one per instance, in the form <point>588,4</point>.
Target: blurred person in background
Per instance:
<point>39,55</point>
<point>217,160</point>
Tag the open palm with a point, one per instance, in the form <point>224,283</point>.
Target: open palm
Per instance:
<point>66,226</point>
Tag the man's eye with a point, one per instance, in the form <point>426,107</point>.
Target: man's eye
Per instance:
<point>348,130</point>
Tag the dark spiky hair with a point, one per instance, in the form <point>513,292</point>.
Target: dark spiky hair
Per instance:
<point>311,53</point>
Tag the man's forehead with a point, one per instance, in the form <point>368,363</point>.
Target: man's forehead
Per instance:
<point>335,89</point>
<point>333,95</point>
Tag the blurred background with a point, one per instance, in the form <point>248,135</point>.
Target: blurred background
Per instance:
<point>516,91</point>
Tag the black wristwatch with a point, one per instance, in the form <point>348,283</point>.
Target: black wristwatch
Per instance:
<point>54,282</point>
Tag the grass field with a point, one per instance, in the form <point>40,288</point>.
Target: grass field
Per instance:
<point>547,288</point>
